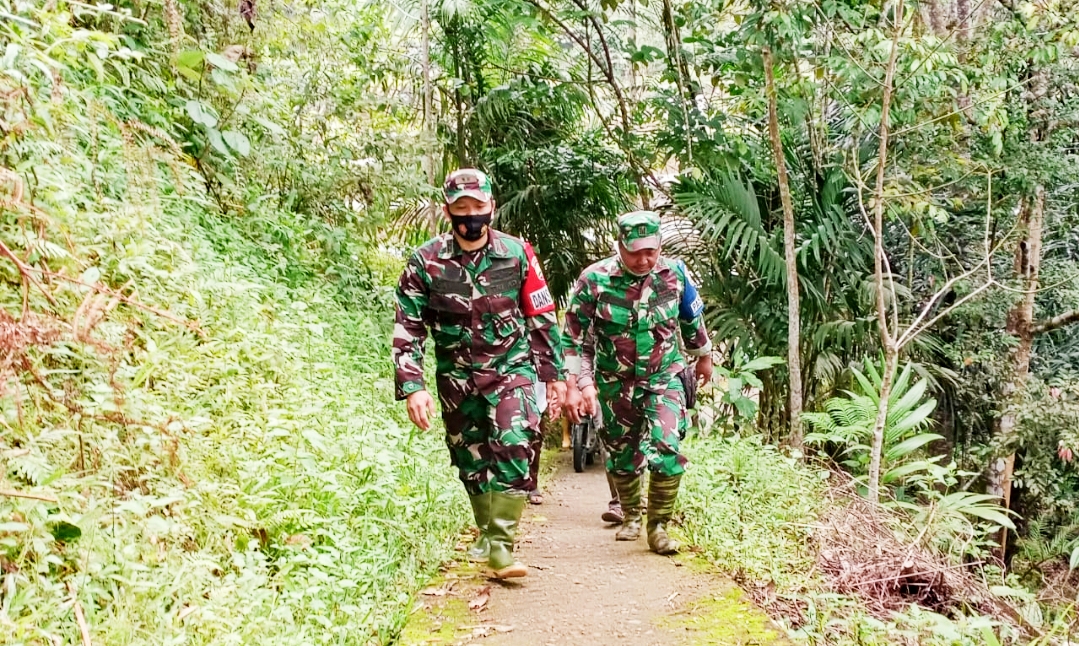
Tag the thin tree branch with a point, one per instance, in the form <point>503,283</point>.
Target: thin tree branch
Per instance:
<point>80,616</point>
<point>8,493</point>
<point>1056,322</point>
<point>607,68</point>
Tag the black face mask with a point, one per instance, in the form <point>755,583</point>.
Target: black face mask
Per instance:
<point>474,225</point>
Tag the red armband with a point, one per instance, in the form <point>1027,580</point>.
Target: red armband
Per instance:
<point>535,296</point>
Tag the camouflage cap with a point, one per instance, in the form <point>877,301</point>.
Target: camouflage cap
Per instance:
<point>467,182</point>
<point>639,230</point>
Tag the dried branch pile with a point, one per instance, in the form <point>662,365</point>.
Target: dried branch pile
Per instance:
<point>862,556</point>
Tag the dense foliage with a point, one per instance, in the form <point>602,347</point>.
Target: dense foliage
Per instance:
<point>203,207</point>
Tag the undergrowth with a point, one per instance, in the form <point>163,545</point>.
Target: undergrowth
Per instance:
<point>754,514</point>
<point>274,492</point>
<point>198,438</point>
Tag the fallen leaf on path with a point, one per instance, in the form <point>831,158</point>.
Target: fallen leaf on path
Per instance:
<point>434,592</point>
<point>483,595</point>
<point>502,629</point>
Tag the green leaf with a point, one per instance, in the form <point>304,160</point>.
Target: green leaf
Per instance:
<point>1073,562</point>
<point>190,58</point>
<point>217,142</point>
<point>747,408</point>
<point>220,62</point>
<point>761,363</point>
<point>11,528</point>
<point>238,141</point>
<point>272,127</point>
<point>190,74</point>
<point>905,470</point>
<point>199,113</point>
<point>65,532</point>
<point>908,446</point>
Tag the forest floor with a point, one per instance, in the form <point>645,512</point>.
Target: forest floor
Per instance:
<point>585,587</point>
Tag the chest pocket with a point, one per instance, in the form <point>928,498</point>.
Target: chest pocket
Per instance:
<point>615,315</point>
<point>664,306</point>
<point>503,278</point>
<point>450,298</point>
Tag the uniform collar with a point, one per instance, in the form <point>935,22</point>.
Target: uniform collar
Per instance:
<point>618,270</point>
<point>496,246</point>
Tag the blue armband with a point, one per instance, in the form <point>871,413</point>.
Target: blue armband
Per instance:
<point>691,306</point>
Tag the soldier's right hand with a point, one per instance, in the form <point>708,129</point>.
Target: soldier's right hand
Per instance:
<point>572,404</point>
<point>589,403</point>
<point>421,408</point>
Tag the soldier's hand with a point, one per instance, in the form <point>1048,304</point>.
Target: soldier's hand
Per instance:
<point>572,404</point>
<point>556,397</point>
<point>421,408</point>
<point>589,403</point>
<point>703,370</point>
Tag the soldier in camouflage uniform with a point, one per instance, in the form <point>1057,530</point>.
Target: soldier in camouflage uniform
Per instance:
<point>483,297</point>
<point>635,305</point>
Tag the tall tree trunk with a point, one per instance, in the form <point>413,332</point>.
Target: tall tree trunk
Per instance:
<point>1021,325</point>
<point>428,116</point>
<point>888,339</point>
<point>794,344</point>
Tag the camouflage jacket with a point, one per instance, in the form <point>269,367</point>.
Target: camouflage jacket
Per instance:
<point>634,323</point>
<point>490,314</point>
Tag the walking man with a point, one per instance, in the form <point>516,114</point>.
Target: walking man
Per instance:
<point>482,295</point>
<point>635,305</point>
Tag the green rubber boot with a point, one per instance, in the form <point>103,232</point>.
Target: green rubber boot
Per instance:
<point>629,494</point>
<point>481,511</point>
<point>662,492</point>
<point>506,511</point>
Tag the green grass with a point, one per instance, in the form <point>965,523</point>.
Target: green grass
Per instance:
<point>750,508</point>
<point>271,491</point>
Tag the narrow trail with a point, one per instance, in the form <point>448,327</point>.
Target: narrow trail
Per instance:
<point>583,584</point>
<point>584,587</point>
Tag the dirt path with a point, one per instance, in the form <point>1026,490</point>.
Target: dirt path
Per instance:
<point>582,583</point>
<point>585,587</point>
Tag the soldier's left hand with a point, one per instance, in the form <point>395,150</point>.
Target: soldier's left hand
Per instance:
<point>703,370</point>
<point>556,396</point>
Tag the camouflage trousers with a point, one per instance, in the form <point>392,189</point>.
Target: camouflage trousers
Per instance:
<point>641,428</point>
<point>490,444</point>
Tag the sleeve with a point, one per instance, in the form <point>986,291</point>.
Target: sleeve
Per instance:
<point>409,330</point>
<point>579,315</point>
<point>588,361</point>
<point>690,317</point>
<point>539,310</point>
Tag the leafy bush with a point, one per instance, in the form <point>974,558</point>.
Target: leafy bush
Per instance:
<point>750,508</point>
<point>198,443</point>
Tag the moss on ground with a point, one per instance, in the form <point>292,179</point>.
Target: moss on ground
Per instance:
<point>723,617</point>
<point>441,618</point>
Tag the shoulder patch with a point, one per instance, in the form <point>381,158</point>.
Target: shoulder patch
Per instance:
<point>535,294</point>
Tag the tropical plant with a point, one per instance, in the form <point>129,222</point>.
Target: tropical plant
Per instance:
<point>736,400</point>
<point>740,260</point>
<point>847,425</point>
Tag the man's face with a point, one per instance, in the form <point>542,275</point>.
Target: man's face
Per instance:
<point>469,206</point>
<point>639,262</point>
